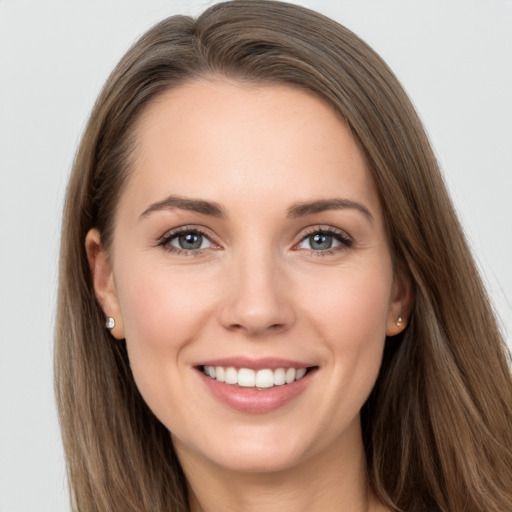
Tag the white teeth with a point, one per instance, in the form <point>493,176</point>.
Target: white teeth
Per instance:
<point>279,377</point>
<point>219,373</point>
<point>290,375</point>
<point>264,379</point>
<point>248,378</point>
<point>230,376</point>
<point>300,373</point>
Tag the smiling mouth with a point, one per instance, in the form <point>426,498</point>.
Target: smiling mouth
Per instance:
<point>257,379</point>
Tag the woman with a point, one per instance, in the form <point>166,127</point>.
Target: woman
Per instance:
<point>227,341</point>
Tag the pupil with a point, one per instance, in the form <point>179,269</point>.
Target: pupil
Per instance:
<point>320,241</point>
<point>190,241</point>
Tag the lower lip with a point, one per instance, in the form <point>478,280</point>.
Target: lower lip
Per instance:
<point>254,400</point>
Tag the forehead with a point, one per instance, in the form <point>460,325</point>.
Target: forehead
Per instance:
<point>212,136</point>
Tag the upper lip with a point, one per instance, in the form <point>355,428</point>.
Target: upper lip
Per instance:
<point>271,363</point>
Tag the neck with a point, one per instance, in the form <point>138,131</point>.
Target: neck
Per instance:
<point>331,481</point>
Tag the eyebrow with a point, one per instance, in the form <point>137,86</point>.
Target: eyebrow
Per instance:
<point>322,205</point>
<point>184,203</point>
<point>216,210</point>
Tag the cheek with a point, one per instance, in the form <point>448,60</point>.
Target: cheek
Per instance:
<point>350,321</point>
<point>351,317</point>
<point>353,305</point>
<point>162,314</point>
<point>161,307</point>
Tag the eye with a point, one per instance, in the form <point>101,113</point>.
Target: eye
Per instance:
<point>325,240</point>
<point>319,242</point>
<point>183,241</point>
<point>190,241</point>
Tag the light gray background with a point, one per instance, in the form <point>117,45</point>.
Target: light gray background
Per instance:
<point>453,56</point>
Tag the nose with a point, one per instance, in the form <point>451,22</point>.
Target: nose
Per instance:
<point>258,297</point>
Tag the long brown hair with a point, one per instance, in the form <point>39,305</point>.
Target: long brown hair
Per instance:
<point>437,426</point>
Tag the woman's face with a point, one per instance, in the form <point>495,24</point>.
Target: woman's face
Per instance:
<point>249,239</point>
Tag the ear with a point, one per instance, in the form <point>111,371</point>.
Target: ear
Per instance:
<point>103,281</point>
<point>401,304</point>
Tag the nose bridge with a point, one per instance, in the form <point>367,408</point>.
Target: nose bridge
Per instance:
<point>258,296</point>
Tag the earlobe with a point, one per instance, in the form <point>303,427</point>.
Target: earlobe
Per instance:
<point>103,281</point>
<point>401,304</point>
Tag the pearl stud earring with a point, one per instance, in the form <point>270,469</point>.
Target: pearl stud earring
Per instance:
<point>110,323</point>
<point>399,321</point>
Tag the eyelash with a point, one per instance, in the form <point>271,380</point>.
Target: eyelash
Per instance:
<point>165,241</point>
<point>345,241</point>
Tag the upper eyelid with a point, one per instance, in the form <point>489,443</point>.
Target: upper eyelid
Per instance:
<point>324,229</point>
<point>171,233</point>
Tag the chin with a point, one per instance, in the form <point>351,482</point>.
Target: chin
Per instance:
<point>258,459</point>
<point>251,449</point>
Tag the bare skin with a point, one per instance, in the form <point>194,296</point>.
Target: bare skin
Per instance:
<point>250,230</point>
<point>332,482</point>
